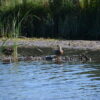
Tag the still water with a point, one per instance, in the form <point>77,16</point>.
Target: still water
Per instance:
<point>49,81</point>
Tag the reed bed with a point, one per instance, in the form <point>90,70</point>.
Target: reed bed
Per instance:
<point>64,19</point>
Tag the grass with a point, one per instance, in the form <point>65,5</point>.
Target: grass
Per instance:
<point>41,18</point>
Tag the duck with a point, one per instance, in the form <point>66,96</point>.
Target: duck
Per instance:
<point>7,51</point>
<point>84,58</point>
<point>6,60</point>
<point>59,51</point>
<point>50,57</point>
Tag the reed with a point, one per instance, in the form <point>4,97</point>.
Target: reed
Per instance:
<point>68,19</point>
<point>16,25</point>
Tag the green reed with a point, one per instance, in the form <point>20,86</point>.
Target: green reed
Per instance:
<point>68,19</point>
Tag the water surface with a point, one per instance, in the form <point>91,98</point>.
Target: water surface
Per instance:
<point>49,81</point>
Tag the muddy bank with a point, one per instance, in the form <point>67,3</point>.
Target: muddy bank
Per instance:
<point>29,51</point>
<point>43,47</point>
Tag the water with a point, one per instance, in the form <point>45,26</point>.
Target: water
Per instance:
<point>49,81</point>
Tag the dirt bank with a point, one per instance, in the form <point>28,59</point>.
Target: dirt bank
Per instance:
<point>51,43</point>
<point>40,47</point>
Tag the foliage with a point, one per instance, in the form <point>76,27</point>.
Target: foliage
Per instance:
<point>68,19</point>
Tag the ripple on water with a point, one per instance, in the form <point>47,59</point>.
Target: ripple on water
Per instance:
<point>49,81</point>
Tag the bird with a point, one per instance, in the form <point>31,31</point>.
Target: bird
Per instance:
<point>59,51</point>
<point>84,58</point>
<point>6,60</point>
<point>7,51</point>
<point>50,57</point>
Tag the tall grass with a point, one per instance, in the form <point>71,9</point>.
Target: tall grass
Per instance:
<point>16,25</point>
<point>68,19</point>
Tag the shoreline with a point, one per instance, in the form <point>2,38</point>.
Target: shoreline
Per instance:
<point>43,47</point>
<point>51,43</point>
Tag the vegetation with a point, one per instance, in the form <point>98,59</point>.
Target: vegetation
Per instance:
<point>67,19</point>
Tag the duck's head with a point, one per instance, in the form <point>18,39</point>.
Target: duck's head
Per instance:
<point>59,47</point>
